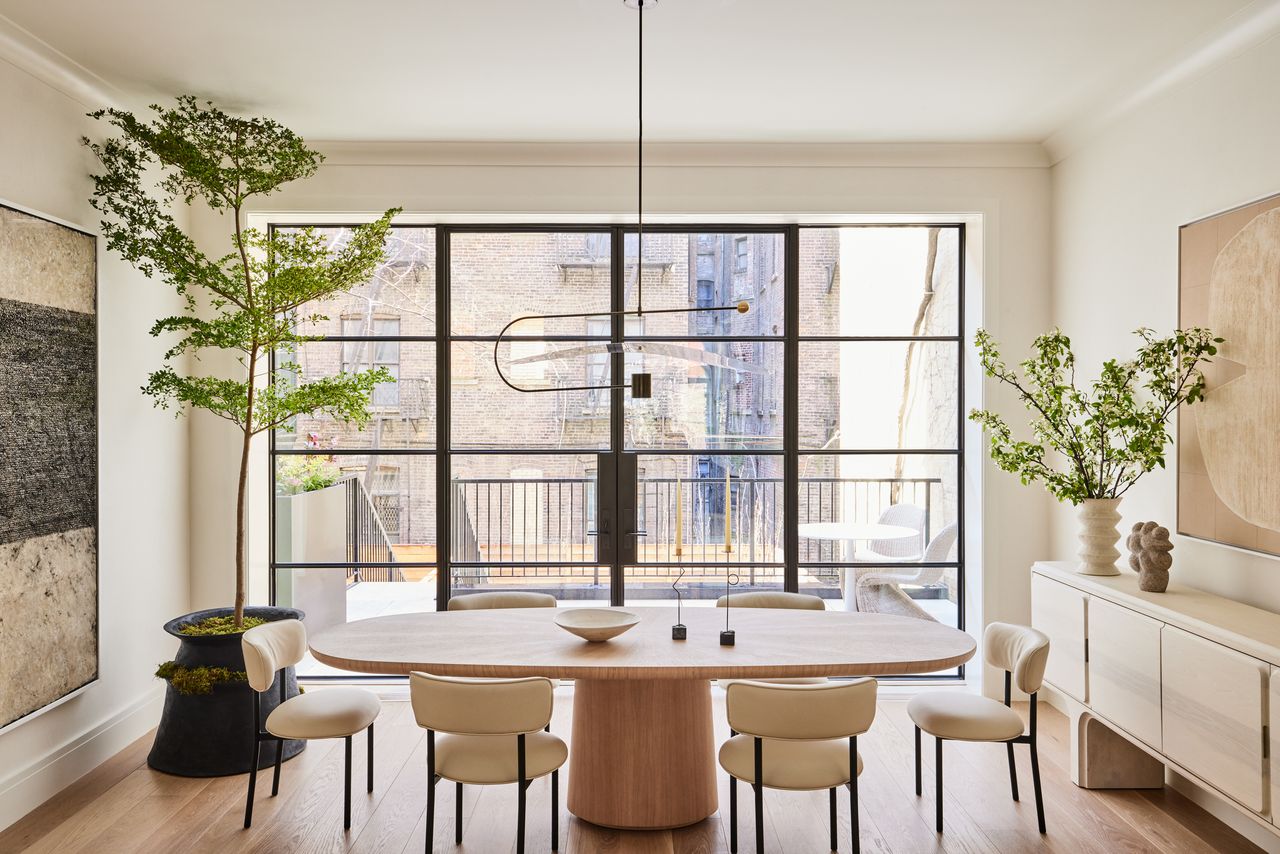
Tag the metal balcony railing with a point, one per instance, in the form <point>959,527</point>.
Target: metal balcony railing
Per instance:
<point>540,528</point>
<point>367,539</point>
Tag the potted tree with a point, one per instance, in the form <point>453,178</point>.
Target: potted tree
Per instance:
<point>245,303</point>
<point>1110,435</point>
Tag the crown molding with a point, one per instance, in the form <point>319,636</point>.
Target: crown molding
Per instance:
<point>686,154</point>
<point>29,53</point>
<point>1251,26</point>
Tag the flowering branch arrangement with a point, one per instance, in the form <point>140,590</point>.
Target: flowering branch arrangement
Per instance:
<point>1111,433</point>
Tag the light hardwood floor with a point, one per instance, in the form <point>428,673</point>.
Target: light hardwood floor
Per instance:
<point>125,807</point>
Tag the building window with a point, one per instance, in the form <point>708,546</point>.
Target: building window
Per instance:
<point>387,500</point>
<point>533,372</point>
<point>740,255</point>
<point>366,355</point>
<point>706,293</point>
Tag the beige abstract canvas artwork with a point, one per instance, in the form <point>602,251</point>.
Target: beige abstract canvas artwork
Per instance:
<point>1229,446</point>
<point>48,462</point>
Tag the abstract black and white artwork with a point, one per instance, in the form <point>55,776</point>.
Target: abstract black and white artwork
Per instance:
<point>48,462</point>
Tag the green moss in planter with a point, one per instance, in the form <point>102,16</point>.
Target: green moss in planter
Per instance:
<point>219,626</point>
<point>197,680</point>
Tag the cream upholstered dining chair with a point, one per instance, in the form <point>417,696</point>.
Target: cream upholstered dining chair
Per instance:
<point>501,599</point>
<point>327,713</point>
<point>796,737</point>
<point>938,550</point>
<point>774,599</point>
<point>1019,651</point>
<point>491,732</point>
<point>495,600</point>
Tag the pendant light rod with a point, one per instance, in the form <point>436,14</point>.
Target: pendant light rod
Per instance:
<point>641,382</point>
<point>640,161</point>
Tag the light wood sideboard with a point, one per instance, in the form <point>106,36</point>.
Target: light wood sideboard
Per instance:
<point>1182,679</point>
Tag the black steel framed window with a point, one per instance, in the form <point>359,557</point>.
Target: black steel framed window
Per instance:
<point>797,446</point>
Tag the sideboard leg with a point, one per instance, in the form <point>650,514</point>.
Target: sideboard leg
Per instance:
<point>1108,760</point>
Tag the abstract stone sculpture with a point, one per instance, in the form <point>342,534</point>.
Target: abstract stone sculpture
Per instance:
<point>1149,556</point>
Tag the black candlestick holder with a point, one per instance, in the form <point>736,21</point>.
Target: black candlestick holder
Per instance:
<point>679,631</point>
<point>727,637</point>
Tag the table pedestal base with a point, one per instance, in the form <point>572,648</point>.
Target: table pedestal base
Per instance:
<point>643,753</point>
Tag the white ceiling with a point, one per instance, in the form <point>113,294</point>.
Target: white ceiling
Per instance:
<point>564,70</point>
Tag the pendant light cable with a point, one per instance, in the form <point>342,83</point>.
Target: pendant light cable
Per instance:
<point>640,384</point>
<point>640,162</point>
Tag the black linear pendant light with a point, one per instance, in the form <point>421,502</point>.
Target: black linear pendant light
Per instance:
<point>641,384</point>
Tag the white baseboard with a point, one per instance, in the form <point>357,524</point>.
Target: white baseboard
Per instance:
<point>29,787</point>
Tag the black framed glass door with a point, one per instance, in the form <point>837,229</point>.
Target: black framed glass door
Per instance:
<point>771,442</point>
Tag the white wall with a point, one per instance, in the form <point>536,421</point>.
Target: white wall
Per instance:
<point>1209,143</point>
<point>1006,188</point>
<point>143,471</point>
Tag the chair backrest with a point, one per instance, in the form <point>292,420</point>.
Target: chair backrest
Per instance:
<point>270,647</point>
<point>481,706</point>
<point>772,599</point>
<point>1019,650</point>
<point>802,712</point>
<point>501,599</point>
<point>905,516</point>
<point>938,550</point>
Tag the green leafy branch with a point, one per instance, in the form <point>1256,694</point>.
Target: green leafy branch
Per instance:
<point>248,300</point>
<point>1109,435</point>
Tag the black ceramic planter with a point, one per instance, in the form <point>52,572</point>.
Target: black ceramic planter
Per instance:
<point>211,735</point>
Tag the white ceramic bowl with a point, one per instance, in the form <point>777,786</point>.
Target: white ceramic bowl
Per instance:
<point>595,624</point>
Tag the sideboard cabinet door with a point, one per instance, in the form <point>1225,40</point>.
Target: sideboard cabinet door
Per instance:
<point>1124,669</point>
<point>1274,736</point>
<point>1213,714</point>
<point>1058,610</point>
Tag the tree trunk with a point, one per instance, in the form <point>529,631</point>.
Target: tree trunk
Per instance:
<point>241,490</point>
<point>922,311</point>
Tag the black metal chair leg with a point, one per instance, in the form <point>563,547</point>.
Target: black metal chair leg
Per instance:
<point>937,792</point>
<point>431,812</point>
<point>855,830</point>
<point>275,777</point>
<point>370,763</point>
<point>1013,771</point>
<point>733,815</point>
<point>1035,782</point>
<point>835,844</point>
<point>457,814</point>
<point>759,792</point>
<point>521,785</point>
<point>432,779</point>
<point>253,781</point>
<point>520,818</point>
<point>555,810</point>
<point>346,788</point>
<point>919,787</point>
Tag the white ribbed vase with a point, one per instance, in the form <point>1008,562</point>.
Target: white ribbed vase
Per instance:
<point>1098,536</point>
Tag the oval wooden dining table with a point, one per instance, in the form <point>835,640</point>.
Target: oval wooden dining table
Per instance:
<point>642,753</point>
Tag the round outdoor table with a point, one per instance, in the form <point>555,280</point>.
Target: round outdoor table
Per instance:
<point>642,754</point>
<point>852,533</point>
